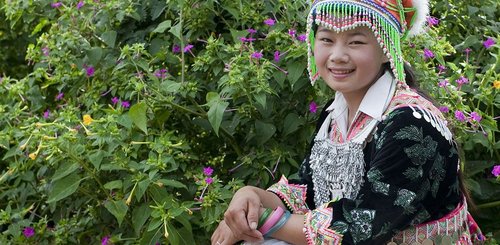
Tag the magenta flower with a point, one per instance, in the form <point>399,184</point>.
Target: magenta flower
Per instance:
<point>496,171</point>
<point>125,104</point>
<point>105,240</point>
<point>277,56</point>
<point>302,37</point>
<point>188,48</point>
<point>209,180</point>
<point>475,116</point>
<point>292,32</point>
<point>251,31</point>
<point>176,49</point>
<point>313,108</point>
<point>89,70</point>
<point>441,68</point>
<point>269,22</point>
<point>257,55</point>
<point>28,232</point>
<point>432,21</point>
<point>80,5</point>
<point>115,100</point>
<point>444,109</point>
<point>489,42</point>
<point>467,51</point>
<point>162,73</point>
<point>208,171</point>
<point>244,39</point>
<point>60,96</point>
<point>46,114</point>
<point>45,51</point>
<point>459,116</point>
<point>462,80</point>
<point>428,54</point>
<point>443,83</point>
<point>56,5</point>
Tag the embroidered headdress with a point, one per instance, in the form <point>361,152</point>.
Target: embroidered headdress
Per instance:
<point>390,20</point>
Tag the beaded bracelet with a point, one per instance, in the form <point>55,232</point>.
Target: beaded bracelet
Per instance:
<point>272,220</point>
<point>279,224</point>
<point>264,216</point>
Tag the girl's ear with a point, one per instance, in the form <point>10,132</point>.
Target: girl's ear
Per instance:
<point>384,58</point>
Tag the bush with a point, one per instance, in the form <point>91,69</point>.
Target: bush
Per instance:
<point>135,121</point>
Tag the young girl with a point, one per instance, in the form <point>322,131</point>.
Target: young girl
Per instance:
<point>383,166</point>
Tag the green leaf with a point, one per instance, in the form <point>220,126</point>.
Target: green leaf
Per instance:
<point>141,188</point>
<point>96,159</point>
<point>172,183</point>
<point>261,98</point>
<point>157,9</point>
<point>264,131</point>
<point>125,121</point>
<point>109,38</point>
<point>169,86</point>
<point>43,22</point>
<point>118,209</point>
<point>163,26</point>
<point>64,170</point>
<point>216,112</point>
<point>138,115</point>
<point>295,71</point>
<point>291,124</point>
<point>139,217</point>
<point>115,184</point>
<point>176,30</point>
<point>95,55</point>
<point>154,224</point>
<point>64,187</point>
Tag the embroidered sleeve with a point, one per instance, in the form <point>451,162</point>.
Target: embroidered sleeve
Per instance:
<point>411,179</point>
<point>293,195</point>
<point>317,227</point>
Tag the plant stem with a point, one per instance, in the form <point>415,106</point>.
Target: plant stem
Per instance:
<point>489,205</point>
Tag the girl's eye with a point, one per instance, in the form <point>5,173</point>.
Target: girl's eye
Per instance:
<point>357,42</point>
<point>324,39</point>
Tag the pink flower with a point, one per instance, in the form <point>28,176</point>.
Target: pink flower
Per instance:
<point>313,108</point>
<point>60,96</point>
<point>45,51</point>
<point>115,100</point>
<point>489,42</point>
<point>125,104</point>
<point>209,180</point>
<point>428,54</point>
<point>28,232</point>
<point>277,56</point>
<point>496,171</point>
<point>462,80</point>
<point>432,21</point>
<point>176,49</point>
<point>302,37</point>
<point>257,55</point>
<point>475,116</point>
<point>459,116</point>
<point>105,240</point>
<point>251,31</point>
<point>244,39</point>
<point>467,51</point>
<point>444,109</point>
<point>292,32</point>
<point>80,4</point>
<point>89,70</point>
<point>162,73</point>
<point>188,48</point>
<point>208,171</point>
<point>56,5</point>
<point>46,114</point>
<point>443,83</point>
<point>269,22</point>
<point>441,68</point>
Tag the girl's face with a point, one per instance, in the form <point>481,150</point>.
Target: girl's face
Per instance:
<point>349,61</point>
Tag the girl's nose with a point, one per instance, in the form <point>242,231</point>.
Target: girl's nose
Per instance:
<point>338,54</point>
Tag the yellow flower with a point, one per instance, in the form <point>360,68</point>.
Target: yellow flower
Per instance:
<point>32,156</point>
<point>87,119</point>
<point>496,84</point>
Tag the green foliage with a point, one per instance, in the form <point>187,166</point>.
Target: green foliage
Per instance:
<point>112,110</point>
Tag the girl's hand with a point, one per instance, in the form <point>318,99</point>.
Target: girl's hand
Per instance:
<point>242,216</point>
<point>223,235</point>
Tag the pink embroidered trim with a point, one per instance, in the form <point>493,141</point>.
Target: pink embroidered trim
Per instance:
<point>316,227</point>
<point>458,222</point>
<point>293,195</point>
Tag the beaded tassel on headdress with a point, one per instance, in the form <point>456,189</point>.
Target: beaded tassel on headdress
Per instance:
<point>386,18</point>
